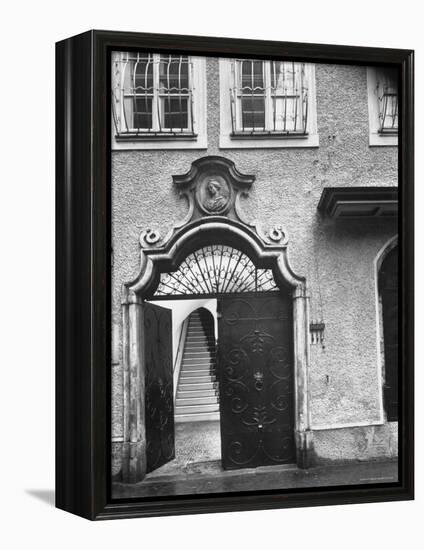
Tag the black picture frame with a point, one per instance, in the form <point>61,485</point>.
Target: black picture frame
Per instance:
<point>83,275</point>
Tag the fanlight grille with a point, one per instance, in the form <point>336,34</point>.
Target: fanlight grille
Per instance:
<point>216,269</point>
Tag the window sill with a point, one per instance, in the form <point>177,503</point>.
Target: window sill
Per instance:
<point>156,136</point>
<point>383,140</point>
<point>159,141</point>
<point>268,135</point>
<point>267,140</point>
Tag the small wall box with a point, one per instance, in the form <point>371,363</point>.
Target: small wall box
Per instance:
<point>214,198</point>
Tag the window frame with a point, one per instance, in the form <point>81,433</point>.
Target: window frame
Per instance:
<point>376,137</point>
<point>159,137</point>
<point>266,139</point>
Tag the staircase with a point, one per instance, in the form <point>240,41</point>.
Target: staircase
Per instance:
<point>197,390</point>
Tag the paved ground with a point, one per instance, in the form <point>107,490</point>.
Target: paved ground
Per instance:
<point>194,442</point>
<point>210,478</point>
<point>197,469</point>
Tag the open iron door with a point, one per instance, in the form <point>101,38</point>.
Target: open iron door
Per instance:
<point>255,366</point>
<point>160,436</point>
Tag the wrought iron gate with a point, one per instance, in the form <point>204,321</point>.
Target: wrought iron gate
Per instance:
<point>255,365</point>
<point>159,386</point>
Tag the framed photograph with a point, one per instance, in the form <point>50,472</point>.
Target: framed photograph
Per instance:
<point>234,275</point>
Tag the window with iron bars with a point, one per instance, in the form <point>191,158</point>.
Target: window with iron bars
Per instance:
<point>387,96</point>
<point>154,96</point>
<point>268,98</point>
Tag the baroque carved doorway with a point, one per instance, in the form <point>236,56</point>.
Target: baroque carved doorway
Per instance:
<point>216,252</point>
<point>254,360</point>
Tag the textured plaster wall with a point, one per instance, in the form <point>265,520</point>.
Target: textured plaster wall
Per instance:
<point>357,443</point>
<point>336,257</point>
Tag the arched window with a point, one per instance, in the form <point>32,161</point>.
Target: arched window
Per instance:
<point>388,292</point>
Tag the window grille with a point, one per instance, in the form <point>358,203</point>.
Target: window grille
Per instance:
<point>155,95</point>
<point>216,269</point>
<point>387,94</point>
<point>268,97</point>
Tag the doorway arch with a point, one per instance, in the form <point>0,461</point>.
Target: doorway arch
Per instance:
<point>387,283</point>
<point>266,250</point>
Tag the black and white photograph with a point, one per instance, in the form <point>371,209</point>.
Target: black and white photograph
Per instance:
<point>211,231</point>
<point>254,274</point>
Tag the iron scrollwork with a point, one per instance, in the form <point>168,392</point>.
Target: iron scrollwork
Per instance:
<point>215,269</point>
<point>256,382</point>
<point>159,387</point>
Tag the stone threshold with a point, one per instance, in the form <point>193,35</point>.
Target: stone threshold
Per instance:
<point>209,477</point>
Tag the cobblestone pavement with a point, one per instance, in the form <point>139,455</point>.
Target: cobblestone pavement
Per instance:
<point>197,469</point>
<point>194,442</point>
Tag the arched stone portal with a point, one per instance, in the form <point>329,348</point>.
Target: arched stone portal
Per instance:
<point>387,270</point>
<point>213,188</point>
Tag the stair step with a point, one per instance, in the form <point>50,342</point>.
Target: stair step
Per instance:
<point>199,361</point>
<point>194,373</point>
<point>196,397</point>
<point>199,344</point>
<point>197,417</point>
<point>197,386</point>
<point>186,394</point>
<point>204,367</point>
<point>189,409</point>
<point>196,351</point>
<point>198,365</point>
<point>197,355</point>
<point>194,367</point>
<point>210,346</point>
<point>197,379</point>
<point>187,401</point>
<point>194,356</point>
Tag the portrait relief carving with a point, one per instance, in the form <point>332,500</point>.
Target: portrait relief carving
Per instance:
<point>214,194</point>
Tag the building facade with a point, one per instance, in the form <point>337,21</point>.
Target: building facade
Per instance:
<point>300,161</point>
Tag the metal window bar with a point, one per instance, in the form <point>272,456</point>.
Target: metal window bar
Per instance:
<point>116,98</point>
<point>387,95</point>
<point>140,90</point>
<point>169,101</point>
<point>287,82</point>
<point>251,93</point>
<point>179,95</point>
<point>136,85</point>
<point>388,111</point>
<point>284,84</point>
<point>199,274</point>
<point>124,111</point>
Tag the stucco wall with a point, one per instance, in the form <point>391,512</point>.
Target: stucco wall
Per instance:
<point>336,257</point>
<point>357,443</point>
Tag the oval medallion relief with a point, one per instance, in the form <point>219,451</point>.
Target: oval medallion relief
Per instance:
<point>213,194</point>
